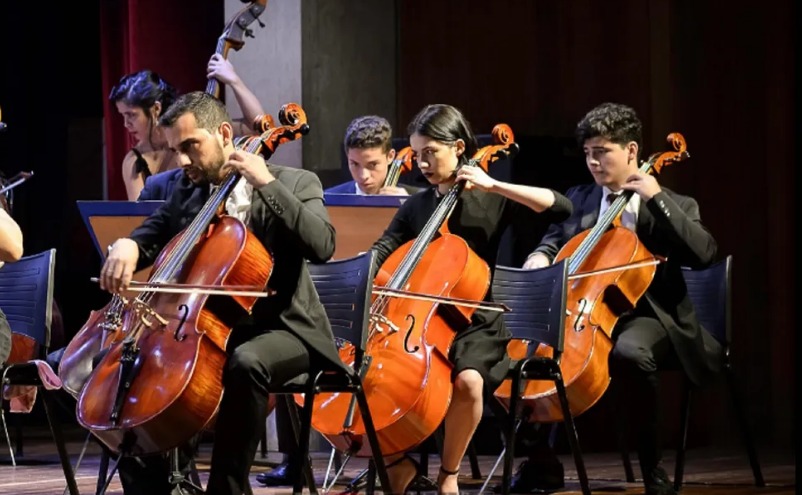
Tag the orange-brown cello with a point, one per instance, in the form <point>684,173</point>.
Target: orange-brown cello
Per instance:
<point>408,381</point>
<point>609,270</point>
<point>161,381</point>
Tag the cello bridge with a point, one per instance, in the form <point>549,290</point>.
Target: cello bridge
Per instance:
<point>379,319</point>
<point>145,312</point>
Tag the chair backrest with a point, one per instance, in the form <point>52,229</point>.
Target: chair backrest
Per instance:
<point>344,287</point>
<point>26,295</point>
<point>709,292</point>
<point>537,300</point>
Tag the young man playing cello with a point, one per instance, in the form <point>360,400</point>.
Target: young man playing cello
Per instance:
<point>662,330</point>
<point>287,334</point>
<point>368,148</point>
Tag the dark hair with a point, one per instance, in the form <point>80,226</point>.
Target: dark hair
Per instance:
<point>209,112</point>
<point>612,121</point>
<point>368,131</point>
<point>446,124</point>
<point>143,89</point>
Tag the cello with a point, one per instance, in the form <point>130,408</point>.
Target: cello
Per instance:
<point>609,270</point>
<point>401,163</point>
<point>160,383</point>
<point>99,331</point>
<point>425,291</point>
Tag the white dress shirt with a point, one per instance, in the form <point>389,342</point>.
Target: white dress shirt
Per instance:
<point>629,217</point>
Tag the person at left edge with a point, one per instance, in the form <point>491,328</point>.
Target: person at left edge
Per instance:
<point>287,334</point>
<point>10,250</point>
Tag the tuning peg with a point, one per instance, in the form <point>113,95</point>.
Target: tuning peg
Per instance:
<point>261,24</point>
<point>249,34</point>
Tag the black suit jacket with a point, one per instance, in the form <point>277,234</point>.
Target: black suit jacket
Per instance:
<point>289,218</point>
<point>668,225</point>
<point>159,186</point>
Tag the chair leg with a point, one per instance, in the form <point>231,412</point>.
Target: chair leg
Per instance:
<point>8,438</point>
<point>746,432</point>
<point>509,451</point>
<point>102,472</point>
<point>682,442</point>
<point>573,438</point>
<point>55,429</point>
<point>303,428</point>
<point>493,469</point>
<point>263,444</point>
<point>373,440</point>
<point>623,444</point>
<point>476,473</point>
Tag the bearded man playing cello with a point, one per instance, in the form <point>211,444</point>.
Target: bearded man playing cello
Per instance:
<point>287,334</point>
<point>662,330</point>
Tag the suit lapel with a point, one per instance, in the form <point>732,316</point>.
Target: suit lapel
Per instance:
<point>591,208</point>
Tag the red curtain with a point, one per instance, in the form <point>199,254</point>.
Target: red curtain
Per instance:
<point>174,39</point>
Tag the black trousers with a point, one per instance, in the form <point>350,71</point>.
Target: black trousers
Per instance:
<point>255,362</point>
<point>642,347</point>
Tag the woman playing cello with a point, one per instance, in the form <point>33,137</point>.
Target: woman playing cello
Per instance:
<point>443,142</point>
<point>287,334</point>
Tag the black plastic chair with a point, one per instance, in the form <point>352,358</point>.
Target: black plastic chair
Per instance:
<point>537,299</point>
<point>26,297</point>
<point>709,290</point>
<point>344,287</point>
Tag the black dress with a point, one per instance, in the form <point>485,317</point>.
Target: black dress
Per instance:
<point>479,218</point>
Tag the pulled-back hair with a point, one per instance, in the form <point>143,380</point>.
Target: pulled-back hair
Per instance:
<point>143,89</point>
<point>368,131</point>
<point>612,121</point>
<point>446,124</point>
<point>209,112</point>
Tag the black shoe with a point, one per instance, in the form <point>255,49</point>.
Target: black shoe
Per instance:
<point>657,482</point>
<point>281,475</point>
<point>537,477</point>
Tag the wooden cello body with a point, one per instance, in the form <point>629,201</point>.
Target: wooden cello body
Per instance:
<point>160,383</point>
<point>407,380</point>
<point>175,383</point>
<point>609,271</point>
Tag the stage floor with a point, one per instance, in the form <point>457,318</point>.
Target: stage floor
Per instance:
<point>707,472</point>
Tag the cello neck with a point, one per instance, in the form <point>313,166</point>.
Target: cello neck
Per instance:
<point>604,223</point>
<point>193,233</point>
<point>438,218</point>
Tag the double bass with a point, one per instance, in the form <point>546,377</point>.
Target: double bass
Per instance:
<point>609,270</point>
<point>424,292</point>
<point>160,383</point>
<point>100,329</point>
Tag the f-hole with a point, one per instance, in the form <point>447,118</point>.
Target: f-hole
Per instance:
<point>185,310</point>
<point>409,333</point>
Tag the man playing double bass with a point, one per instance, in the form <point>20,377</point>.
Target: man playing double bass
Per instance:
<point>288,333</point>
<point>662,330</point>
